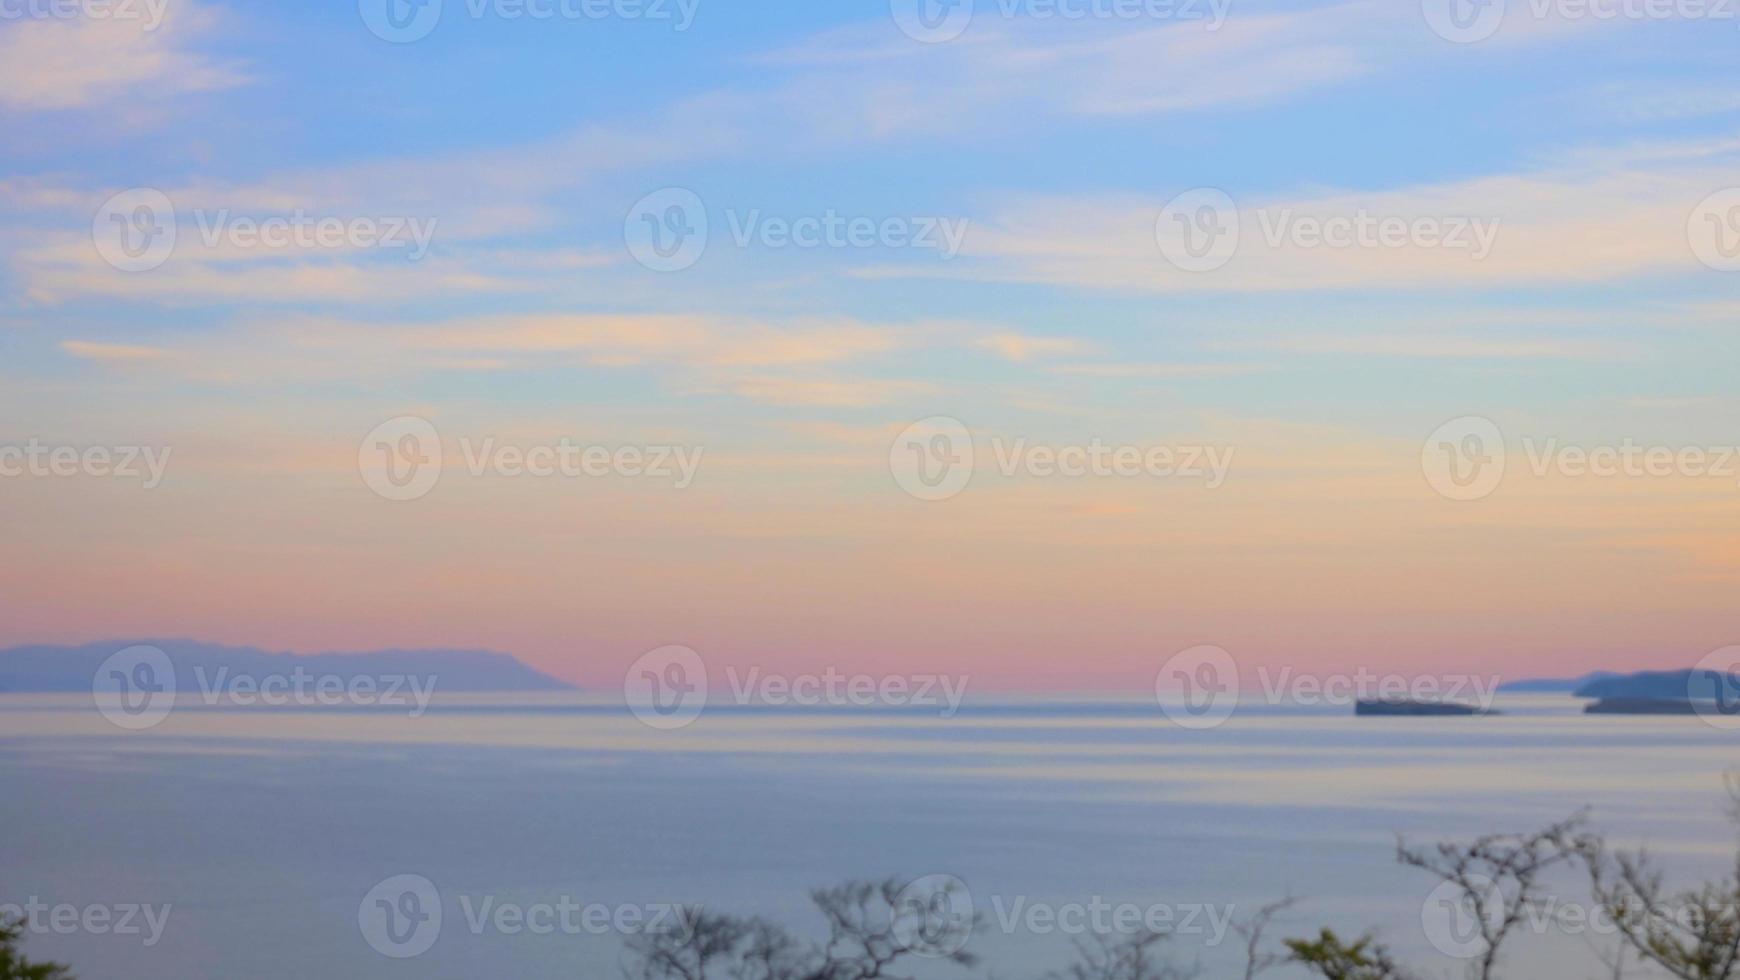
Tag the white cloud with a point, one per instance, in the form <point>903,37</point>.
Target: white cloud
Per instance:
<point>801,361</point>
<point>1434,346</point>
<point>1598,217</point>
<point>49,63</point>
<point>1020,347</point>
<point>88,350</point>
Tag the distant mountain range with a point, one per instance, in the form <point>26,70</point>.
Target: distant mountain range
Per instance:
<point>1644,686</point>
<point>1556,685</point>
<point>1660,684</point>
<point>42,669</point>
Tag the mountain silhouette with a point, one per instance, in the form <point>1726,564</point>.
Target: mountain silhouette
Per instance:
<point>45,668</point>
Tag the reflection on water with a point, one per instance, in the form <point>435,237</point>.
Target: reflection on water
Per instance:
<point>265,828</point>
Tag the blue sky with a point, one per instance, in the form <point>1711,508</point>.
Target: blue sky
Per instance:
<point>1588,144</point>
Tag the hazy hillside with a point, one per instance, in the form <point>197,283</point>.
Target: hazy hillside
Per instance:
<point>70,668</point>
<point>1660,684</point>
<point>1554,685</point>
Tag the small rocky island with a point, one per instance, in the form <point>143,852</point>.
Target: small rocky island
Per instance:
<point>1415,709</point>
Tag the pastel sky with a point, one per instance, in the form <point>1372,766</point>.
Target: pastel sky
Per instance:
<point>1589,145</point>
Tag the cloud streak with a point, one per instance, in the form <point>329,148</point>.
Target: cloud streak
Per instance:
<point>50,64</point>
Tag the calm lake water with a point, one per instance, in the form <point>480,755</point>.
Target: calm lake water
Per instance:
<point>264,830</point>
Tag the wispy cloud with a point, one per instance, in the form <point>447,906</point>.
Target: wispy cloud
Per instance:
<point>1004,72</point>
<point>56,63</point>
<point>1433,346</point>
<point>1019,347</point>
<point>1595,218</point>
<point>1150,370</point>
<point>110,352</point>
<point>828,392</point>
<point>797,361</point>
